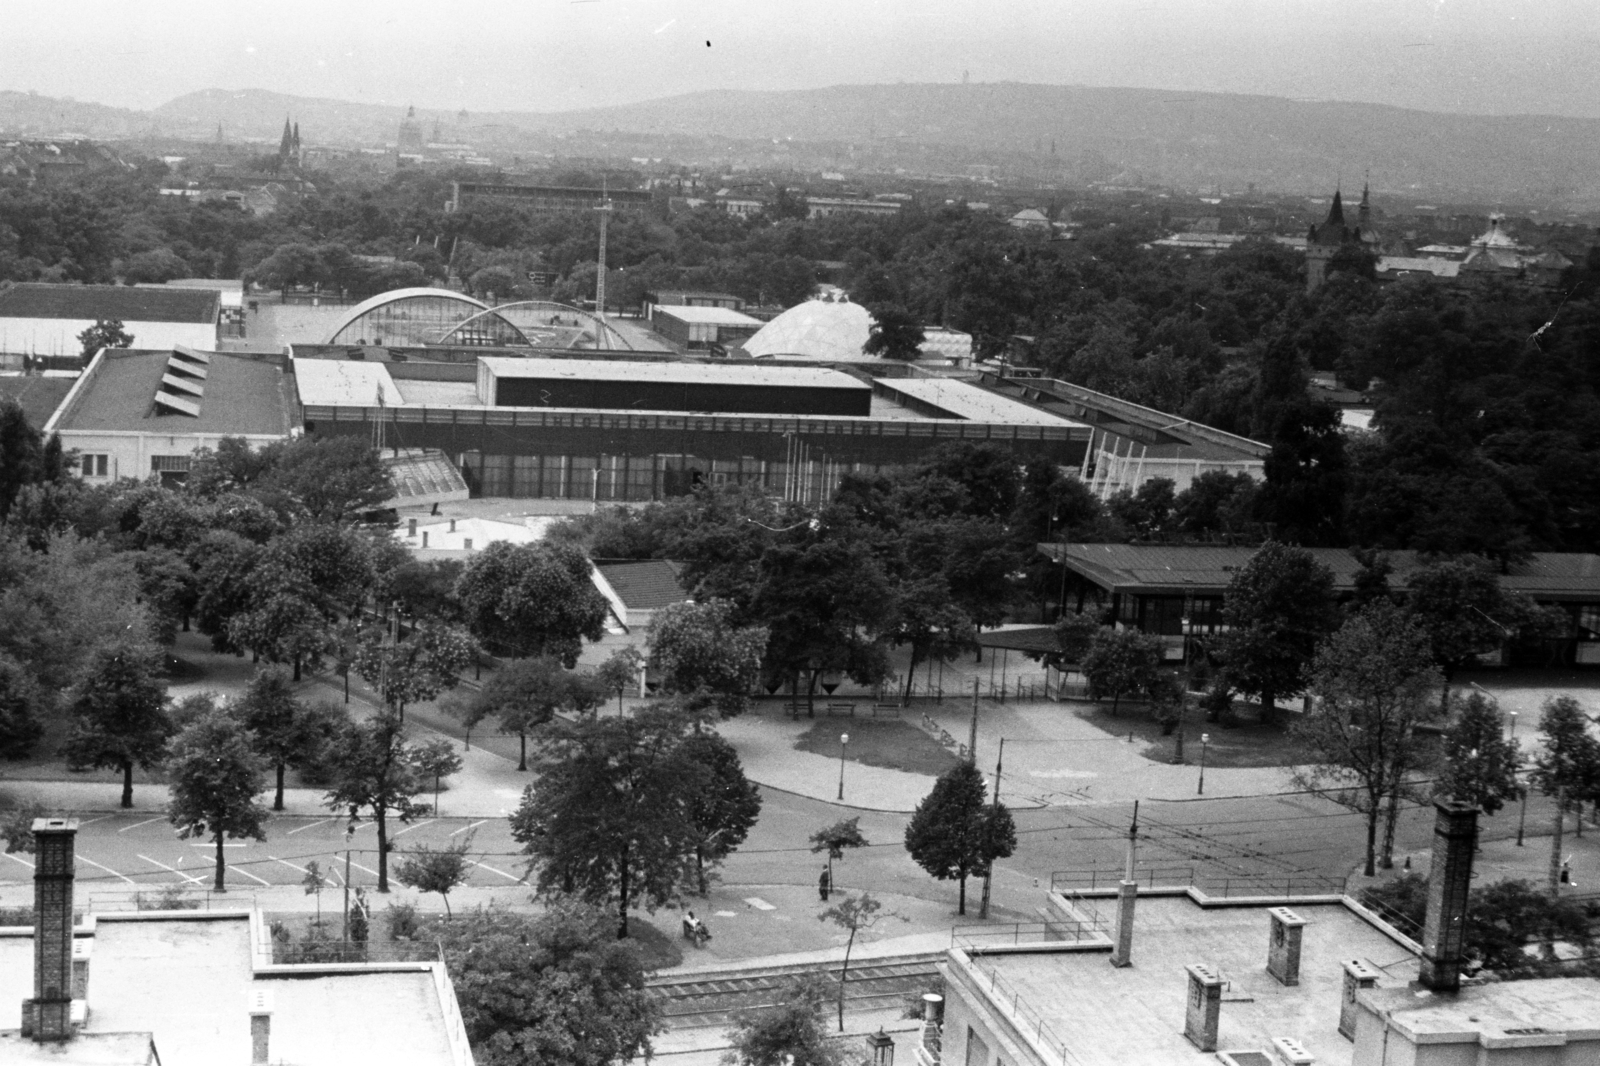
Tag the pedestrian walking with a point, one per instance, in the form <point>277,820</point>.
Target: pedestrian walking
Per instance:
<point>824,884</point>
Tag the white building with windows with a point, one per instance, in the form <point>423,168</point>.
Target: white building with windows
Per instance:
<point>134,413</point>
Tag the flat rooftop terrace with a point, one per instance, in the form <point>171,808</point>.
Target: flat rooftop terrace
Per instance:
<point>1135,1016</point>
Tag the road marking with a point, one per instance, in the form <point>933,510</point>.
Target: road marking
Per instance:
<point>213,844</point>
<point>90,821</point>
<point>107,869</point>
<point>251,876</point>
<point>416,825</point>
<point>172,869</point>
<point>136,825</point>
<point>313,825</point>
<point>366,869</point>
<point>474,825</point>
<point>20,859</point>
<point>759,904</point>
<point>491,869</point>
<point>289,864</point>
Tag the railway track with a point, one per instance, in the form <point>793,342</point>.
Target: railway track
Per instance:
<point>710,998</point>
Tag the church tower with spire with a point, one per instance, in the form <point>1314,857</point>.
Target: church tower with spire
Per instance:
<point>1325,241</point>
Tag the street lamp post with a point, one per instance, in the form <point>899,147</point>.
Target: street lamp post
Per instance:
<point>1513,724</point>
<point>844,739</point>
<point>1205,738</point>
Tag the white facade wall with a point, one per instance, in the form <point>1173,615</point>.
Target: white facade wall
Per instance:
<point>129,454</point>
<point>59,336</point>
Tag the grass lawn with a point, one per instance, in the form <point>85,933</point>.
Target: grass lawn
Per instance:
<point>894,745</point>
<point>1246,744</point>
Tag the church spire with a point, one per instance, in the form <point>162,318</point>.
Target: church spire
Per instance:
<point>286,145</point>
<point>1336,212</point>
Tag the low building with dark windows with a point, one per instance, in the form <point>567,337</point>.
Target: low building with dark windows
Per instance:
<point>635,430</point>
<point>1175,591</point>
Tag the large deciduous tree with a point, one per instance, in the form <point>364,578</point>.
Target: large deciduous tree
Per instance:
<point>1277,607</point>
<point>1120,662</point>
<point>372,769</point>
<point>216,776</point>
<point>550,989</point>
<point>1460,605</point>
<point>417,667</point>
<point>955,833</point>
<point>1480,761</point>
<point>1567,768</point>
<point>521,696</point>
<point>704,658</point>
<point>610,817</point>
<point>725,808</point>
<point>120,714</point>
<point>1371,681</point>
<point>895,334</point>
<point>285,729</point>
<point>532,599</point>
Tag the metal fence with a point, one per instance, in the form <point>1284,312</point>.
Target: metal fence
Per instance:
<point>1024,1015</point>
<point>1050,930</point>
<point>1223,885</point>
<point>317,951</point>
<point>169,898</point>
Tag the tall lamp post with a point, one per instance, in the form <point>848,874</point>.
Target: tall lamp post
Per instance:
<point>844,739</point>
<point>1205,738</point>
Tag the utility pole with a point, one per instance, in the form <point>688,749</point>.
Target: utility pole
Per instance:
<point>972,734</point>
<point>604,210</point>
<point>988,831</point>
<point>346,935</point>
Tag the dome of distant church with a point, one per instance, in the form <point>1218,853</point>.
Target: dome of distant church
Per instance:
<point>816,329</point>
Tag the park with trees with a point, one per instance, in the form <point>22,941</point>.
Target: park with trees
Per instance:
<point>1483,450</point>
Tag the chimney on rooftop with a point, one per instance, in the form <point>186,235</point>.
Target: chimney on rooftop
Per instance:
<point>1204,1014</point>
<point>1283,945</point>
<point>1455,834</point>
<point>47,1017</point>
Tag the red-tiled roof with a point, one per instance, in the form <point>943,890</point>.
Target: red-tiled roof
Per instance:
<point>644,586</point>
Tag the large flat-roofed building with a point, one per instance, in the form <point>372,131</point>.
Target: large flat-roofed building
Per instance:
<point>1154,587</point>
<point>134,413</point>
<point>1252,975</point>
<point>203,987</point>
<point>41,319</point>
<point>1132,443</point>
<point>701,327</point>
<point>695,387</point>
<point>547,199</point>
<point>627,429</point>
<point>824,206</point>
<point>1071,1007</point>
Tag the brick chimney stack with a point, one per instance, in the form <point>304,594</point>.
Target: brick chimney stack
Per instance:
<point>47,1017</point>
<point>1455,834</point>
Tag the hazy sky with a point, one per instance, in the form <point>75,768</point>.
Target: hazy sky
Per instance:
<point>1490,56</point>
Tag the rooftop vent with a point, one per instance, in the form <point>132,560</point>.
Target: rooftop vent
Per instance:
<point>184,383</point>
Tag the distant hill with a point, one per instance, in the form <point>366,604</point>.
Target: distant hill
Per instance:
<point>31,115</point>
<point>1187,138</point>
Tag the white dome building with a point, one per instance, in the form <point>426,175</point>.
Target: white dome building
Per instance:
<point>817,329</point>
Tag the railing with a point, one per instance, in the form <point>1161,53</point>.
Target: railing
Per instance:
<point>169,898</point>
<point>1051,930</point>
<point>1225,886</point>
<point>313,952</point>
<point>1026,1018</point>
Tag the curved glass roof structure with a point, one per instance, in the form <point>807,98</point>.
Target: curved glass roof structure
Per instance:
<point>536,324</point>
<point>405,317</point>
